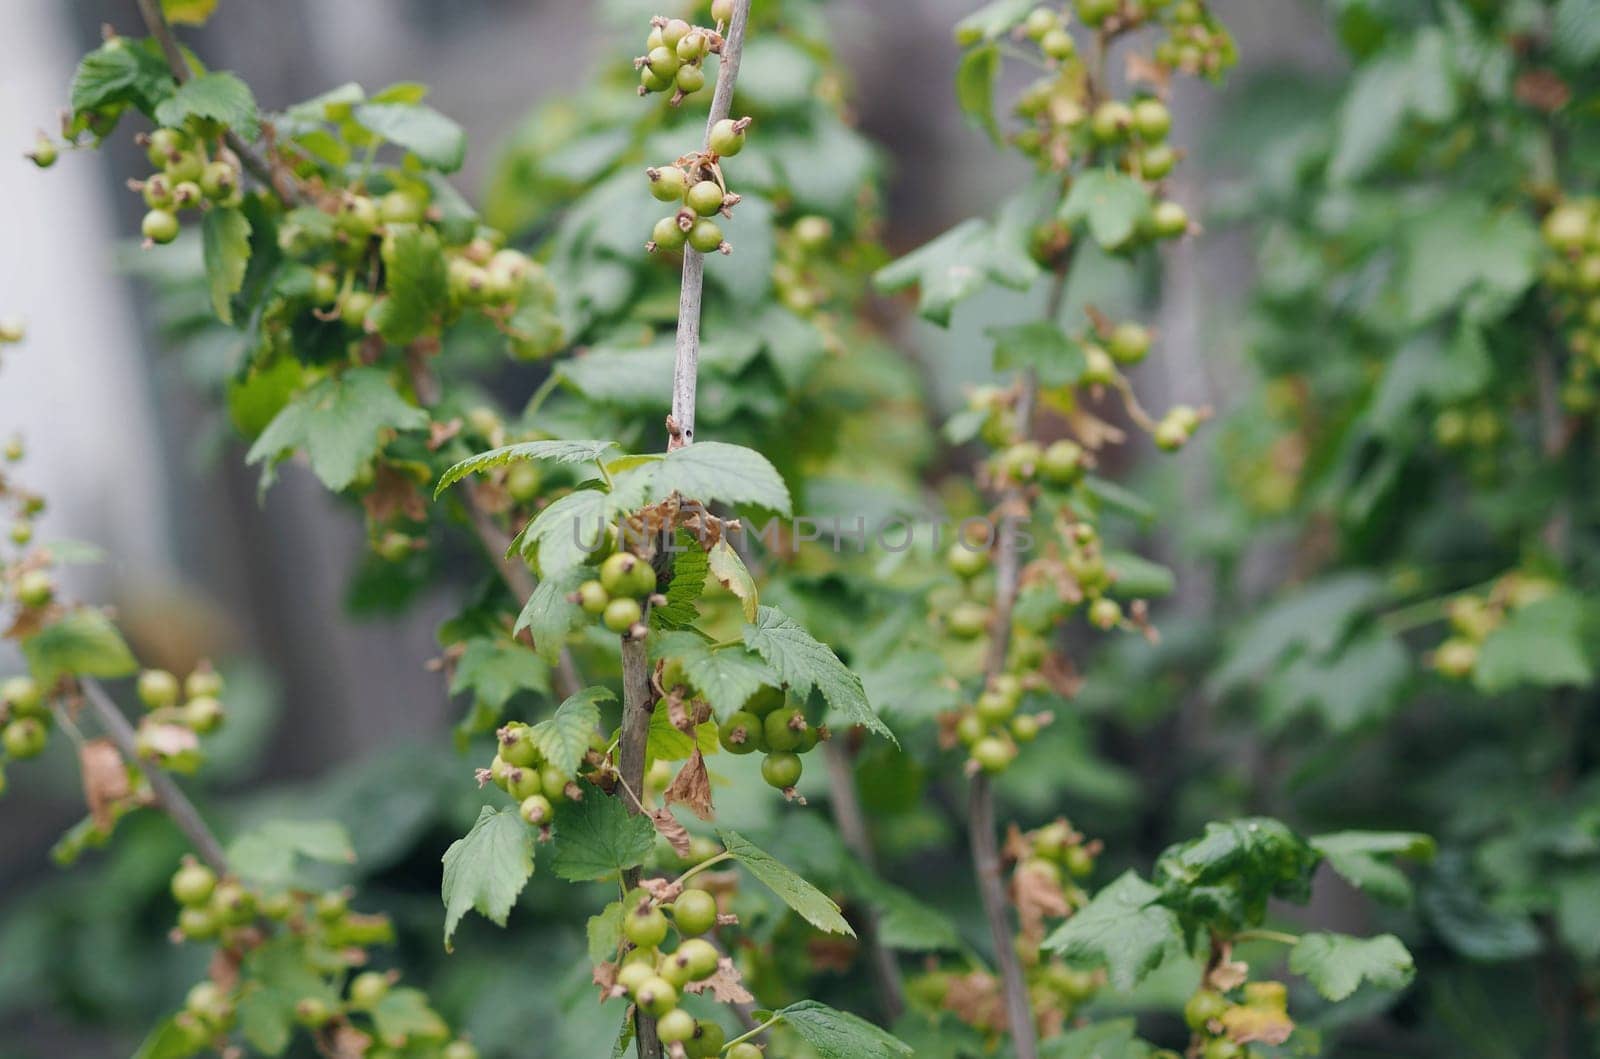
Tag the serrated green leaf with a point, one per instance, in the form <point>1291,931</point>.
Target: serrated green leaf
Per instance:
<point>1114,497</point>
<point>269,856</point>
<point>494,669</point>
<point>1224,878</point>
<point>217,96</point>
<point>340,423</point>
<point>121,71</point>
<point>1359,857</point>
<point>1124,929</point>
<point>725,676</point>
<point>1041,345</point>
<point>278,975</point>
<point>486,870</point>
<point>1337,964</point>
<point>596,838</point>
<point>1112,204</point>
<point>810,903</point>
<point>404,1014</point>
<point>418,285</point>
<point>666,742</point>
<point>804,663</point>
<point>554,450</point>
<point>731,574</point>
<point>168,1040</point>
<point>948,270</point>
<point>1135,577</point>
<point>1461,247</point>
<point>550,614</point>
<point>1576,34</point>
<point>563,737</point>
<point>437,141</point>
<point>559,535</point>
<point>688,584</point>
<point>1543,644</point>
<point>717,472</point>
<point>993,20</point>
<point>975,79</point>
<point>840,1035</point>
<point>225,243</point>
<point>82,642</point>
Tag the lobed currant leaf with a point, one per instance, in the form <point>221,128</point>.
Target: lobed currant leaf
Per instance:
<point>486,870</point>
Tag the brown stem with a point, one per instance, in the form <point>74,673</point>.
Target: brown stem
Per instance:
<point>637,706</point>
<point>845,802</point>
<point>168,796</point>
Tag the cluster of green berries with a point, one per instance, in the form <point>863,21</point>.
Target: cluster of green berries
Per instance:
<point>1572,275</point>
<point>1198,44</point>
<point>193,705</point>
<point>25,721</point>
<point>801,251</point>
<point>653,976</point>
<point>991,727</point>
<point>674,58</point>
<point>697,184</point>
<point>521,770</point>
<point>1061,857</point>
<point>1215,1019</point>
<point>617,597</point>
<point>186,177</point>
<point>769,724</point>
<point>1474,616</point>
<point>1461,428</point>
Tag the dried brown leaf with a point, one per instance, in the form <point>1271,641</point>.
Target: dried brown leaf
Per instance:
<point>692,787</point>
<point>726,986</point>
<point>105,779</point>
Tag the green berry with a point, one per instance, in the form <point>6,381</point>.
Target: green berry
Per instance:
<point>690,79</point>
<point>667,183</point>
<point>675,1027</point>
<point>707,1042</point>
<point>782,770</point>
<point>663,61</point>
<point>536,810</point>
<point>160,226</point>
<point>742,733</point>
<point>593,597</point>
<point>554,783</point>
<point>367,988</point>
<point>700,956</point>
<point>656,996</point>
<point>966,562</point>
<point>765,701</point>
<point>35,589</point>
<point>24,737</point>
<point>193,884</point>
<point>705,236</point>
<point>1058,44</point>
<point>517,746</point>
<point>163,145</point>
<point>523,782</point>
<point>995,707</point>
<point>1062,462</point>
<point>782,729</point>
<point>209,1003</point>
<point>727,137</point>
<point>358,216</point>
<point>232,904</point>
<point>813,232</point>
<point>633,974</point>
<point>22,694</point>
<point>705,198</point>
<point>402,207</point>
<point>1105,613</point>
<point>1169,220</point>
<point>1151,119</point>
<point>722,10</point>
<point>524,482</point>
<point>654,82</point>
<point>218,180</point>
<point>1129,343</point>
<point>313,1012</point>
<point>692,48</point>
<point>456,1050</point>
<point>967,620</point>
<point>203,714</point>
<point>158,192</point>
<point>197,923</point>
<point>1040,20</point>
<point>694,912</point>
<point>993,754</point>
<point>185,166</point>
<point>1025,727</point>
<point>1111,121</point>
<point>668,235</point>
<point>203,681</point>
<point>646,926</point>
<point>744,1050</point>
<point>1202,1007</point>
<point>619,574</point>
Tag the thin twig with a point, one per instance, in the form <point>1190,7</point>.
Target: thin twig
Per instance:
<point>845,803</point>
<point>980,808</point>
<point>685,368</point>
<point>168,795</point>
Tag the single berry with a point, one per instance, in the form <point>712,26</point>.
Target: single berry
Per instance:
<point>675,1027</point>
<point>158,192</point>
<point>458,1050</point>
<point>690,79</point>
<point>663,61</point>
<point>1151,119</point>
<point>700,956</point>
<point>742,733</point>
<point>965,561</point>
<point>765,701</point>
<point>692,47</point>
<point>635,973</point>
<point>744,1050</point>
<point>193,883</point>
<point>1058,44</point>
<point>24,737</point>
<point>185,166</point>
<point>782,770</point>
<point>203,714</point>
<point>22,694</point>
<point>163,145</point>
<point>967,620</point>
<point>667,235</point>
<point>667,183</point>
<point>1111,121</point>
<point>1202,1007</point>
<point>705,236</point>
<point>523,783</point>
<point>219,180</point>
<point>1169,220</point>
<point>722,10</point>
<point>402,207</point>
<point>1062,462</point>
<point>993,754</point>
<point>782,729</point>
<point>812,232</point>
<point>656,996</point>
<point>160,226</point>
<point>1040,20</point>
<point>1025,727</point>
<point>646,926</point>
<point>1157,161</point>
<point>694,912</point>
<point>705,198</point>
<point>368,987</point>
<point>203,681</point>
<point>198,923</point>
<point>727,138</point>
<point>654,82</point>
<point>708,1040</point>
<point>1105,613</point>
<point>674,31</point>
<point>536,809</point>
<point>1129,343</point>
<point>994,707</point>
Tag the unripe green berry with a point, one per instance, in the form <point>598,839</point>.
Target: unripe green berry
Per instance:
<point>744,1050</point>
<point>667,183</point>
<point>663,61</point>
<point>722,10</point>
<point>402,207</point>
<point>158,192</point>
<point>593,597</point>
<point>993,754</point>
<point>1129,343</point>
<point>185,166</point>
<point>1111,121</point>
<point>160,226</point>
<point>742,733</point>
<point>35,588</point>
<point>694,912</point>
<point>1040,20</point>
<point>163,145</point>
<point>203,714</point>
<point>967,620</point>
<point>705,236</point>
<point>1169,220</point>
<point>727,138</point>
<point>668,235</point>
<point>1058,44</point>
<point>622,614</point>
<point>536,809</point>
<point>367,988</point>
<point>782,770</point>
<point>23,696</point>
<point>219,180</point>
<point>705,198</point>
<point>675,1027</point>
<point>965,561</point>
<point>656,996</point>
<point>690,79</point>
<point>692,47</point>
<point>523,782</point>
<point>193,883</point>
<point>782,729</point>
<point>1151,120</point>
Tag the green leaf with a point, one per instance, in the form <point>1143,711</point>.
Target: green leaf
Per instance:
<point>666,742</point>
<point>1136,577</point>
<point>1116,1039</point>
<point>596,838</point>
<point>604,933</point>
<point>949,269</point>
<point>494,669</point>
<point>1468,922</point>
<point>1337,964</point>
<point>1123,928</point>
<point>804,663</point>
<point>1578,914</point>
<point>415,273</point>
<point>554,451</point>
<point>225,241</point>
<point>269,856</point>
<point>1461,247</point>
<point>121,71</point>
<point>1577,30</point>
<point>717,472</point>
<point>1315,618</point>
<point>437,141</point>
<point>810,903</point>
<point>1540,645</point>
<point>550,615</point>
<point>278,975</point>
<point>1042,346</point>
<point>188,12</point>
<point>1415,80</point>
<point>1225,877</point>
<point>725,676</point>
<point>168,1040</point>
<point>1113,204</point>
<point>1110,495</point>
<point>1359,858</point>
<point>404,1014</point>
<point>840,1035</point>
<point>688,584</point>
<point>220,97</point>
<point>559,535</point>
<point>340,423</point>
<point>563,737</point>
<point>1358,684</point>
<point>975,79</point>
<point>82,642</point>
<point>993,20</point>
<point>486,870</point>
<point>731,574</point>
